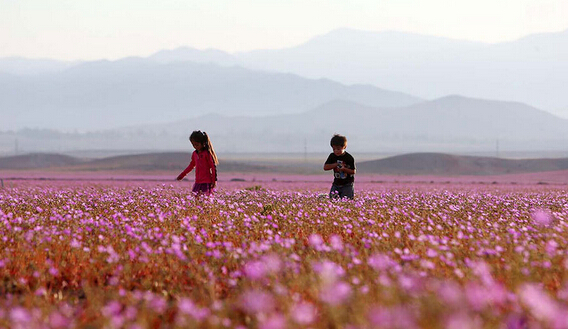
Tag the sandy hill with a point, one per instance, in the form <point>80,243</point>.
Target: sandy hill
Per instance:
<point>446,164</point>
<point>170,161</point>
<point>38,160</point>
<point>408,164</point>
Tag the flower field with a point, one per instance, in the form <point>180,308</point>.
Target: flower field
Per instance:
<point>278,255</point>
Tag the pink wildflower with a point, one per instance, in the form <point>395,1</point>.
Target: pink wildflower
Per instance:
<point>380,262</point>
<point>328,271</point>
<point>272,263</point>
<point>463,321</point>
<point>542,217</point>
<point>111,309</point>
<point>20,316</point>
<point>56,320</point>
<point>316,241</point>
<point>336,242</point>
<point>304,313</point>
<point>257,301</point>
<point>186,306</point>
<point>255,270</point>
<point>275,321</point>
<point>396,317</point>
<point>541,305</point>
<point>431,253</point>
<point>336,294</point>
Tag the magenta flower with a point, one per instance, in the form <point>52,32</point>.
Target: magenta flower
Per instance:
<point>187,306</point>
<point>56,320</point>
<point>304,313</point>
<point>255,270</point>
<point>477,296</point>
<point>483,271</point>
<point>431,253</point>
<point>463,320</point>
<point>336,242</point>
<point>20,316</point>
<point>316,241</point>
<point>41,291</point>
<point>274,321</point>
<point>111,309</point>
<point>380,262</point>
<point>542,217</point>
<point>551,247</point>
<point>328,271</point>
<point>158,304</point>
<point>53,271</point>
<point>272,263</point>
<point>336,293</point>
<point>450,293</point>
<point>257,301</point>
<point>395,318</point>
<point>541,305</point>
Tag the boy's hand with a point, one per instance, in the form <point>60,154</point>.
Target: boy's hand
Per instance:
<point>330,166</point>
<point>180,177</point>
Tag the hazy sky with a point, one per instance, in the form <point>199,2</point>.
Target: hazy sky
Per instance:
<point>77,29</point>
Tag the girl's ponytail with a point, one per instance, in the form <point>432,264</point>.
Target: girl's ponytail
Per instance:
<point>209,147</point>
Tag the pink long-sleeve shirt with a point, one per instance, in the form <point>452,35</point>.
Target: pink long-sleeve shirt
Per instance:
<point>205,169</point>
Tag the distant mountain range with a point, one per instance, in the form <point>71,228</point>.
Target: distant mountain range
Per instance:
<point>99,95</point>
<point>450,124</point>
<point>531,70</point>
<point>284,101</point>
<point>407,164</point>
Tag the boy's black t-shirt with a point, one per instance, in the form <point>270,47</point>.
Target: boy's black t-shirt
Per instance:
<point>341,178</point>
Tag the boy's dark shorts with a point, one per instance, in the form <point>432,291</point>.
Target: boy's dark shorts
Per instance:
<point>342,191</point>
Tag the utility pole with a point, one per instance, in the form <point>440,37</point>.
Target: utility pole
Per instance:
<point>497,147</point>
<point>305,149</point>
<point>16,147</point>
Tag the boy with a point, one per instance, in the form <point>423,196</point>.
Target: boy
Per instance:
<point>343,166</point>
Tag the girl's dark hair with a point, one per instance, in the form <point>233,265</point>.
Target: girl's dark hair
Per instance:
<point>201,137</point>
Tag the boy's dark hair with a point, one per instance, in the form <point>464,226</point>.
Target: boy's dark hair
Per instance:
<point>338,140</point>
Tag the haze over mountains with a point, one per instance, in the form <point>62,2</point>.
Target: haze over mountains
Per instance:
<point>532,70</point>
<point>98,95</point>
<point>449,124</point>
<point>287,99</point>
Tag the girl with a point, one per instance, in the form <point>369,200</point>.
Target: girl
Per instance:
<point>204,160</point>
